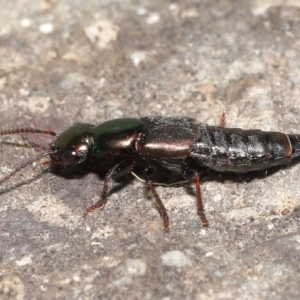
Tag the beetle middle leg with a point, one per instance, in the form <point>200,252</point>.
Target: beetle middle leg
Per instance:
<point>161,209</point>
<point>122,168</point>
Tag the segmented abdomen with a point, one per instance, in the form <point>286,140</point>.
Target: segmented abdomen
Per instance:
<point>237,150</point>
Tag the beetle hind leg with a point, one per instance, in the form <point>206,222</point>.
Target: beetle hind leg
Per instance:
<point>223,119</point>
<point>200,208</point>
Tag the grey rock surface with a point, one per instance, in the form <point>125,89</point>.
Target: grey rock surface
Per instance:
<point>67,61</point>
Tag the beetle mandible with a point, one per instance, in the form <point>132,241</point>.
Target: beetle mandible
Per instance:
<point>158,144</point>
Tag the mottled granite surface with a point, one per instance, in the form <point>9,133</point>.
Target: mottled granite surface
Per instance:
<point>72,61</point>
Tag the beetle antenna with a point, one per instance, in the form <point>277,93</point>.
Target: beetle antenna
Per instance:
<point>27,130</point>
<point>18,169</point>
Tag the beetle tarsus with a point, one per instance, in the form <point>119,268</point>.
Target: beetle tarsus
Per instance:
<point>98,205</point>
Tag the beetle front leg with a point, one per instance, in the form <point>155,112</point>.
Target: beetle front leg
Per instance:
<point>200,209</point>
<point>122,168</point>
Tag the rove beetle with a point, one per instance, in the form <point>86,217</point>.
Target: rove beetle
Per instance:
<point>158,144</point>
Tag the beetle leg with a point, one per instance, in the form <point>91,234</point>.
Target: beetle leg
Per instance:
<point>161,209</point>
<point>223,119</point>
<point>122,168</point>
<point>48,162</point>
<point>200,209</point>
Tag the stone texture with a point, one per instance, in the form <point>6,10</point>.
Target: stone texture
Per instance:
<point>190,58</point>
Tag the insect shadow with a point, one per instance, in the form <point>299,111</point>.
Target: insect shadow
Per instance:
<point>82,171</point>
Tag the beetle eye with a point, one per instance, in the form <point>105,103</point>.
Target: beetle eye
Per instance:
<point>68,158</point>
<point>74,156</point>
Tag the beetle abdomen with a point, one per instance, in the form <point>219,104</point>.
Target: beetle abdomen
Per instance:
<point>237,150</point>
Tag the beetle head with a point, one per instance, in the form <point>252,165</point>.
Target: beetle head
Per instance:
<point>73,145</point>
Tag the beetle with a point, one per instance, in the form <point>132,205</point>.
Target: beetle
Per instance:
<point>156,144</point>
